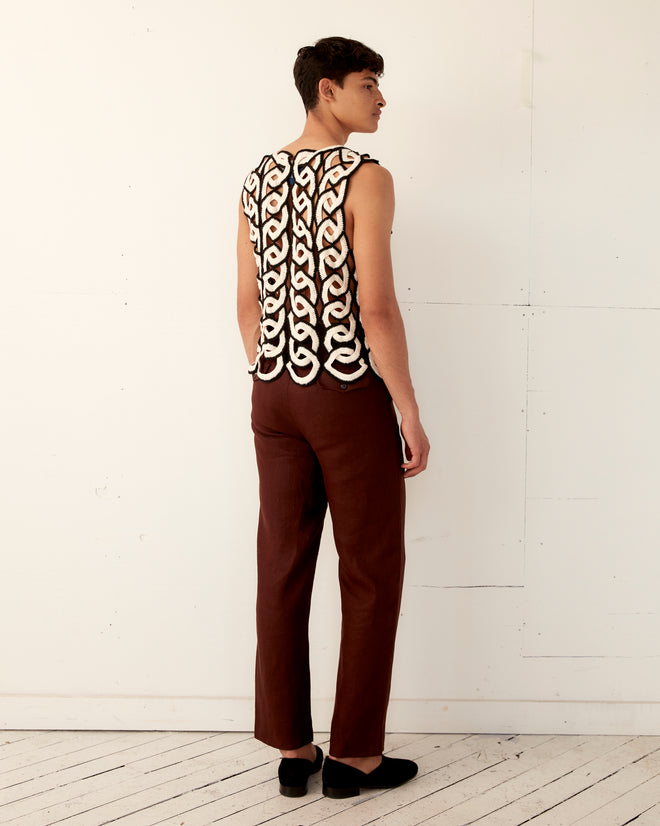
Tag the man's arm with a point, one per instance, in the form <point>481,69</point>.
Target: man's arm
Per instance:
<point>249,311</point>
<point>372,207</point>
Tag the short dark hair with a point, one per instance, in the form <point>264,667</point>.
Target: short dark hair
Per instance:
<point>334,58</point>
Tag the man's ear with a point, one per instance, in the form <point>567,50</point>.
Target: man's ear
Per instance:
<point>326,89</point>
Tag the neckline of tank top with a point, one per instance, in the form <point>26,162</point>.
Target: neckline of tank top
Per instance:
<point>313,151</point>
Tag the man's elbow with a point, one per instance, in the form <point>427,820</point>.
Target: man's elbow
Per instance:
<point>246,307</point>
<point>379,316</point>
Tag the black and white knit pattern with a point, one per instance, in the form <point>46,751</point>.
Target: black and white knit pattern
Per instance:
<point>310,317</point>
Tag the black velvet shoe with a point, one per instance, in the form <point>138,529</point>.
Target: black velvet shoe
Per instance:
<point>342,780</point>
<point>294,773</point>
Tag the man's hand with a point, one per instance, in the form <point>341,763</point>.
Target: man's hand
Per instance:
<point>417,446</point>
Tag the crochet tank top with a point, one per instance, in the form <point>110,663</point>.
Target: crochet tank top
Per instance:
<point>310,319</point>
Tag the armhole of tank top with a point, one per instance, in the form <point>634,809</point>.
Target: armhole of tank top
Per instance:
<point>364,159</point>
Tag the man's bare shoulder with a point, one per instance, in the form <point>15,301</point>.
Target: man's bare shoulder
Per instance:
<point>370,200</point>
<point>375,173</point>
<point>372,180</point>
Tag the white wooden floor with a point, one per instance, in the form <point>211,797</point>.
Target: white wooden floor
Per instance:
<point>195,779</point>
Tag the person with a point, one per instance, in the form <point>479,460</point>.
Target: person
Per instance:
<point>327,351</point>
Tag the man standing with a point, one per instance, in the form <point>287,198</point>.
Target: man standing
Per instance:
<point>315,221</point>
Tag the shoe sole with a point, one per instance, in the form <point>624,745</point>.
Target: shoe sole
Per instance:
<point>338,793</point>
<point>293,791</point>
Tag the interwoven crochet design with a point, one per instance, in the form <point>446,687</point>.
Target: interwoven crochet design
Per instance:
<point>310,317</point>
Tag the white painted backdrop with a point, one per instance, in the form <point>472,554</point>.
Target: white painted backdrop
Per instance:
<point>523,138</point>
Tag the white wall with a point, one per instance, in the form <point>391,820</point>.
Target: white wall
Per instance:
<point>523,139</point>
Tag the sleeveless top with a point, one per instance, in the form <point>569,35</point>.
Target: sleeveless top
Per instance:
<point>310,318</point>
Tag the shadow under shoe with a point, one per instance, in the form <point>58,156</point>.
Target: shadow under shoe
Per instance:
<point>294,773</point>
<point>341,780</point>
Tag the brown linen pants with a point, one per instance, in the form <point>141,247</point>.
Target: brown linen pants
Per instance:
<point>332,444</point>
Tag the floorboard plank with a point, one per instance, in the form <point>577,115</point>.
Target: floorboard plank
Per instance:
<point>22,753</point>
<point>8,737</point>
<point>628,805</point>
<point>67,780</point>
<point>487,794</point>
<point>651,817</point>
<point>556,781</point>
<point>114,794</point>
<point>603,791</point>
<point>82,752</point>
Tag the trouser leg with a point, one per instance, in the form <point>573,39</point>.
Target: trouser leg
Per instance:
<point>292,509</point>
<point>361,459</point>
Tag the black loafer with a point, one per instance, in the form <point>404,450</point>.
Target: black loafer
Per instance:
<point>294,773</point>
<point>341,780</point>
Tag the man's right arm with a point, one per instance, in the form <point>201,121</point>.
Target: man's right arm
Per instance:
<point>372,208</point>
<point>248,309</point>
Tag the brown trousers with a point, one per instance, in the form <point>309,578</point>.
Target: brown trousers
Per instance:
<point>327,444</point>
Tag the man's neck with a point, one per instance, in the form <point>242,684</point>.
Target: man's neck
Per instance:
<point>322,130</point>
